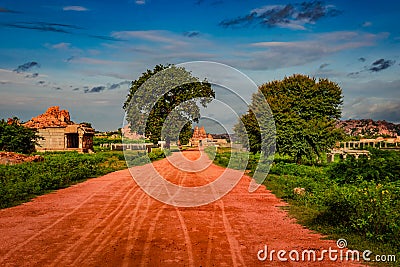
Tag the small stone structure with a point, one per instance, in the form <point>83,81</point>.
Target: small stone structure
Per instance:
<point>380,143</point>
<point>358,148</point>
<point>59,133</point>
<point>345,152</point>
<point>200,137</point>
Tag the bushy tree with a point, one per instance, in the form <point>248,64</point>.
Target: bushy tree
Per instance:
<point>185,134</point>
<point>305,113</point>
<point>170,91</point>
<point>17,138</point>
<point>251,129</point>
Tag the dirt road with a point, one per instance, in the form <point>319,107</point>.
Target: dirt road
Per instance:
<point>110,221</point>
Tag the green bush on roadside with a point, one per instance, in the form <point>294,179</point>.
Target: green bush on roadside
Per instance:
<point>22,181</point>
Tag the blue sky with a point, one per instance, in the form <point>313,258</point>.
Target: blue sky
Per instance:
<point>82,55</point>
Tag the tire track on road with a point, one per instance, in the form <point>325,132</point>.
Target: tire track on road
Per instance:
<point>180,175</point>
<point>99,241</point>
<point>236,253</point>
<point>188,241</point>
<point>150,234</point>
<point>210,236</point>
<point>104,224</point>
<point>137,225</point>
<point>237,257</point>
<point>23,244</point>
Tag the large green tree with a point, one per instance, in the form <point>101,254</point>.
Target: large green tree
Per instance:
<point>167,96</point>
<point>305,112</point>
<point>17,138</point>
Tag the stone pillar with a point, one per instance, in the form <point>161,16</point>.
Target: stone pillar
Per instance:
<point>330,157</point>
<point>80,142</point>
<point>162,144</point>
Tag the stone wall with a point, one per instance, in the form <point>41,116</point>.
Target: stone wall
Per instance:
<point>54,139</point>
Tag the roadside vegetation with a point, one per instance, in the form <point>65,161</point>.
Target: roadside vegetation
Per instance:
<point>17,138</point>
<point>358,200</point>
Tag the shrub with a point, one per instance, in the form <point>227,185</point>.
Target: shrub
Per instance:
<point>368,208</point>
<point>17,138</point>
<point>22,181</point>
<point>383,166</point>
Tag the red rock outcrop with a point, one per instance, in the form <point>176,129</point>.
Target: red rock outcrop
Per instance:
<point>53,117</point>
<point>14,158</point>
<point>368,127</point>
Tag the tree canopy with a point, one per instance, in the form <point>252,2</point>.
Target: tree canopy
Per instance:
<point>305,113</point>
<point>164,101</point>
<point>17,138</point>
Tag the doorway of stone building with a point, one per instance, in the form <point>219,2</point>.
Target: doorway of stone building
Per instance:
<point>72,140</point>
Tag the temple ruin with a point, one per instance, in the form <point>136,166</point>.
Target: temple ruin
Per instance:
<point>200,137</point>
<point>59,133</point>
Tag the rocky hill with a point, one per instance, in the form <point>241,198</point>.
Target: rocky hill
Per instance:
<point>53,117</point>
<point>370,128</point>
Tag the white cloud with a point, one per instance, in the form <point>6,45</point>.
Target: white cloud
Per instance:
<point>12,77</point>
<point>75,8</point>
<point>376,108</point>
<point>273,55</point>
<point>294,25</point>
<point>140,2</point>
<point>94,61</point>
<point>59,46</point>
<point>369,88</point>
<point>367,24</point>
<point>157,36</point>
<point>264,9</point>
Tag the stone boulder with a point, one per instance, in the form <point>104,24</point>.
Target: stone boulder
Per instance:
<point>53,117</point>
<point>15,158</point>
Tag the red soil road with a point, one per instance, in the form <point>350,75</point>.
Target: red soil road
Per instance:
<point>110,221</point>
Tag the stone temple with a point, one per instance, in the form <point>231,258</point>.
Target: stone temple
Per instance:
<point>59,133</point>
<point>200,137</point>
